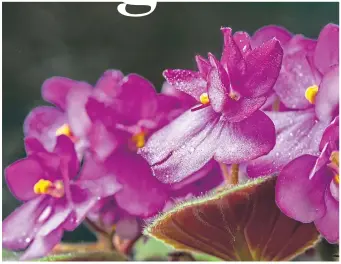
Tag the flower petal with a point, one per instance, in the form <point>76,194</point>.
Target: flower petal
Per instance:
<point>263,67</point>
<point>75,109</point>
<point>327,48</point>
<point>141,194</point>
<point>328,225</point>
<point>56,89</point>
<point>109,82</point>
<point>298,196</point>
<point>65,148</point>
<point>42,245</point>
<point>42,123</point>
<point>242,40</point>
<point>203,65</point>
<point>266,33</point>
<point>331,134</point>
<point>327,98</point>
<point>295,77</point>
<point>186,81</point>
<point>297,133</point>
<point>22,175</point>
<point>33,145</point>
<point>20,227</point>
<point>136,100</point>
<point>202,135</point>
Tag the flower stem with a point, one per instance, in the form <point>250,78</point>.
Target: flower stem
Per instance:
<point>234,173</point>
<point>225,172</point>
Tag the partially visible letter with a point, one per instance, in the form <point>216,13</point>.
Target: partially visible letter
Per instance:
<point>122,7</point>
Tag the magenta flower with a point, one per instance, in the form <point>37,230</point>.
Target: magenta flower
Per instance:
<point>227,125</point>
<point>54,198</point>
<point>68,117</point>
<point>310,87</point>
<point>307,188</point>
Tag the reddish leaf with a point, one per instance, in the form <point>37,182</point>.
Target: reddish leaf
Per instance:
<point>240,223</point>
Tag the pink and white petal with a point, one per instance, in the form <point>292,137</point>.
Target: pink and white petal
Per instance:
<point>297,132</point>
<point>246,140</point>
<point>65,149</point>
<point>331,134</point>
<point>327,98</point>
<point>75,109</point>
<point>177,142</point>
<point>266,33</point>
<point>186,81</point>
<point>300,43</point>
<point>22,175</point>
<point>141,194</point>
<point>327,48</point>
<point>263,67</point>
<point>334,190</point>
<point>56,89</point>
<point>294,79</point>
<point>328,225</point>
<point>42,123</point>
<point>298,196</point>
<point>20,227</point>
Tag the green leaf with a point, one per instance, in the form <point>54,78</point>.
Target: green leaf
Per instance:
<point>10,255</point>
<point>238,223</point>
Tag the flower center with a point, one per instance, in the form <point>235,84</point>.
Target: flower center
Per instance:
<point>66,130</point>
<point>204,99</point>
<point>310,93</point>
<point>139,139</point>
<point>55,189</point>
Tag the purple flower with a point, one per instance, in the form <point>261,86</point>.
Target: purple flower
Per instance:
<point>309,87</point>
<point>55,199</point>
<point>307,188</point>
<point>227,125</point>
<point>68,117</point>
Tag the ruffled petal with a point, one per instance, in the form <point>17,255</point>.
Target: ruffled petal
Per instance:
<point>20,227</point>
<point>56,89</point>
<point>42,123</point>
<point>141,194</point>
<point>202,135</point>
<point>327,48</point>
<point>295,77</point>
<point>65,148</point>
<point>297,132</point>
<point>328,225</point>
<point>22,175</point>
<point>75,109</point>
<point>267,33</point>
<point>298,196</point>
<point>186,81</point>
<point>327,98</point>
<point>263,67</point>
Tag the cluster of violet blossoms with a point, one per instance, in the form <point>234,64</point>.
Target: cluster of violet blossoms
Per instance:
<point>118,153</point>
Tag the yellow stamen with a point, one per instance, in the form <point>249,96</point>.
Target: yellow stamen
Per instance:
<point>204,98</point>
<point>334,158</point>
<point>311,92</point>
<point>336,179</point>
<point>64,130</point>
<point>42,186</point>
<point>139,139</point>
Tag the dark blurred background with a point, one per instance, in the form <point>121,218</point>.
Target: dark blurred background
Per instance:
<point>81,40</point>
